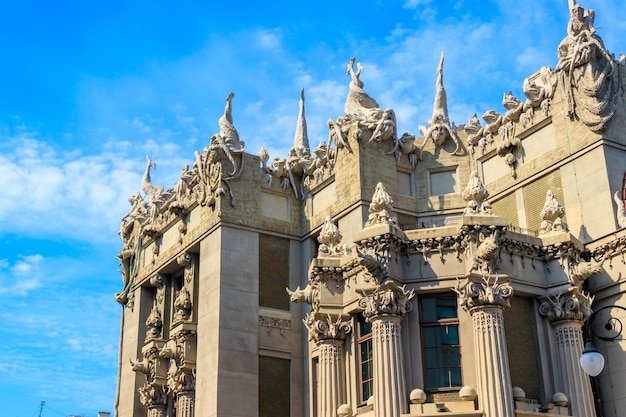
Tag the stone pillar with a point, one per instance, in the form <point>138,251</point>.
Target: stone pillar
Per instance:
<point>331,387</point>
<point>184,404</point>
<point>390,397</point>
<point>157,410</point>
<point>329,335</point>
<point>566,315</point>
<point>384,308</point>
<point>486,297</point>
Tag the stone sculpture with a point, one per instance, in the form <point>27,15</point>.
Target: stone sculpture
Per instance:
<point>381,208</point>
<point>439,128</point>
<point>590,70</point>
<point>621,209</point>
<point>552,215</point>
<point>476,196</point>
<point>358,100</point>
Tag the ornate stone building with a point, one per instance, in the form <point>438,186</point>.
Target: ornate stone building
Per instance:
<point>446,273</point>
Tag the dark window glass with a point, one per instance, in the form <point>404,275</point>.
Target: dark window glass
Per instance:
<point>440,341</point>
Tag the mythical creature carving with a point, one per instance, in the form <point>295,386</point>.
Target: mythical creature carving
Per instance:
<point>590,70</point>
<point>476,196</point>
<point>300,166</point>
<point>552,215</point>
<point>361,108</point>
<point>358,100</point>
<point>405,145</point>
<point>539,89</point>
<point>439,128</point>
<point>580,271</point>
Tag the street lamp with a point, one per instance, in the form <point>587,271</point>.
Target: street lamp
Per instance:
<point>592,360</point>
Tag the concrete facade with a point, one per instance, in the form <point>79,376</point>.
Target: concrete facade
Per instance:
<point>454,270</point>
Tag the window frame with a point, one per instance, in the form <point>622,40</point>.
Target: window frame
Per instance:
<point>446,323</point>
<point>364,340</point>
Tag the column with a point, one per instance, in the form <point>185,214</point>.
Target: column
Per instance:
<point>331,382</point>
<point>385,308</point>
<point>486,297</point>
<point>329,335</point>
<point>184,404</point>
<point>566,313</point>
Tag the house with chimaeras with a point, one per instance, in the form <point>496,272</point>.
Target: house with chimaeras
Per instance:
<point>456,271</point>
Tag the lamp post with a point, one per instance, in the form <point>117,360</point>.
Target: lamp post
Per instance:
<point>592,360</point>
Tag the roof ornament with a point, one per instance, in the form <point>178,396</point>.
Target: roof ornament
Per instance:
<point>439,128</point>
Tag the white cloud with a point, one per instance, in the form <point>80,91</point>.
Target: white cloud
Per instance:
<point>19,278</point>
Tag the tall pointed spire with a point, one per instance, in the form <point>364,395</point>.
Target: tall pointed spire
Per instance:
<point>301,138</point>
<point>440,108</point>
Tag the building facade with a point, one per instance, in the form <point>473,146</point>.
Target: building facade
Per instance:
<point>450,272</point>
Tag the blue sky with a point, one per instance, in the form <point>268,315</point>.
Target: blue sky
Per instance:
<point>88,89</point>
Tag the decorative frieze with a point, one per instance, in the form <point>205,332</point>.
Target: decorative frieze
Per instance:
<point>274,323</point>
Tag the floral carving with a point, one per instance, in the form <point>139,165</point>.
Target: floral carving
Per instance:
<point>381,208</point>
<point>476,196</point>
<point>330,240</point>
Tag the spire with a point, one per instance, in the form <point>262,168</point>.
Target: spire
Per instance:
<point>301,139</point>
<point>440,108</point>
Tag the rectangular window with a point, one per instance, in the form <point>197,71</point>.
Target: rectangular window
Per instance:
<point>442,182</point>
<point>274,387</point>
<point>366,363</point>
<point>273,272</point>
<point>439,323</point>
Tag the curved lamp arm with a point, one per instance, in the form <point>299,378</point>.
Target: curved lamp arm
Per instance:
<point>592,360</point>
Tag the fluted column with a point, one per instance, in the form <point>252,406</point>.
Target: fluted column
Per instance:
<point>384,308</point>
<point>389,381</point>
<point>486,297</point>
<point>331,382</point>
<point>329,335</point>
<point>157,411</point>
<point>566,313</point>
<point>184,403</point>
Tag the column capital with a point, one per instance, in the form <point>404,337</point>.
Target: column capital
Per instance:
<point>486,290</point>
<point>326,329</point>
<point>569,305</point>
<point>388,299</point>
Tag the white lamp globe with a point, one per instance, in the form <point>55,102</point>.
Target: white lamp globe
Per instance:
<point>591,360</point>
